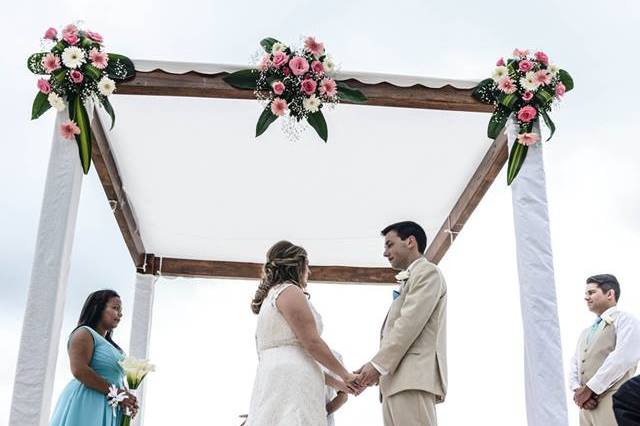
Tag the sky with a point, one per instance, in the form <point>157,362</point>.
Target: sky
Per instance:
<point>202,338</point>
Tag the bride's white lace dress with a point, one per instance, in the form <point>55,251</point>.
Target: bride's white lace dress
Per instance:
<point>289,385</point>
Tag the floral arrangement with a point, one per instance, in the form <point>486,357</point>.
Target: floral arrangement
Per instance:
<point>135,370</point>
<point>76,69</point>
<point>294,82</point>
<point>526,85</point>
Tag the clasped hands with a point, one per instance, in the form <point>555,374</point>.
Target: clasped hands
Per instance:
<point>585,398</point>
<point>362,378</point>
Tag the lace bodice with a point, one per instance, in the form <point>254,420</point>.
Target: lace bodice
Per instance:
<point>273,330</point>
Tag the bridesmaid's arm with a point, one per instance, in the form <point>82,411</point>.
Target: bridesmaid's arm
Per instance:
<point>80,353</point>
<point>294,307</point>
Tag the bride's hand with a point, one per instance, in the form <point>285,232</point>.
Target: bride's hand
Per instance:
<point>351,386</point>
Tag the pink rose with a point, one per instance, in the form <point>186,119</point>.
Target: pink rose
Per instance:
<point>328,88</point>
<point>50,62</point>
<point>507,85</point>
<point>560,89</point>
<point>527,138</point>
<point>298,65</point>
<point>95,36</point>
<point>542,57</point>
<point>500,62</point>
<point>527,113</point>
<point>525,66</point>
<point>278,87</point>
<point>280,58</point>
<point>72,39</point>
<point>70,29</point>
<point>317,67</point>
<point>51,34</point>
<point>520,54</point>
<point>68,129</point>
<point>315,47</point>
<point>308,86</point>
<point>44,86</point>
<point>98,58</point>
<point>279,107</point>
<point>527,96</point>
<point>76,76</point>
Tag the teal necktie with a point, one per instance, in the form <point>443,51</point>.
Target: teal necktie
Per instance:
<point>593,330</point>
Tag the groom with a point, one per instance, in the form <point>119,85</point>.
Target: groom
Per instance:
<point>411,365</point>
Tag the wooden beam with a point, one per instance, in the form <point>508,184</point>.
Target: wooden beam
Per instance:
<point>161,83</point>
<point>168,266</point>
<point>107,170</point>
<point>485,174</point>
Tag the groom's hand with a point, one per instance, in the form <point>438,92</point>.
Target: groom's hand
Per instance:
<point>367,375</point>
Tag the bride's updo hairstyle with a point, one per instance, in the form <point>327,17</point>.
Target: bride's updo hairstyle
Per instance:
<point>286,262</point>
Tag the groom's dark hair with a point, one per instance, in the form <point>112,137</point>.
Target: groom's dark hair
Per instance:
<point>405,230</point>
<point>606,282</point>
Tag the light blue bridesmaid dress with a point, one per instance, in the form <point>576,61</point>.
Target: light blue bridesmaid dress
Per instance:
<point>79,405</point>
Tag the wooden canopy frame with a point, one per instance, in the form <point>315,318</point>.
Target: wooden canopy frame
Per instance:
<point>193,84</point>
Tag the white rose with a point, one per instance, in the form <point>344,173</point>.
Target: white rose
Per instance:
<point>402,275</point>
<point>329,65</point>
<point>278,47</point>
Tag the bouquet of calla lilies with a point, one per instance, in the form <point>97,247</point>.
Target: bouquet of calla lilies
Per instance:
<point>136,370</point>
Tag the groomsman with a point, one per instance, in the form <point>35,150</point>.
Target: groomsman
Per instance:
<point>626,403</point>
<point>607,353</point>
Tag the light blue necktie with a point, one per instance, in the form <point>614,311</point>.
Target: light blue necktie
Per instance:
<point>594,329</point>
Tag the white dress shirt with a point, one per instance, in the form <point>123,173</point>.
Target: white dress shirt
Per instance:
<point>381,370</point>
<point>624,357</point>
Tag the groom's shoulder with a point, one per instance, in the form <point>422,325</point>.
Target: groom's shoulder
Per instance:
<point>425,268</point>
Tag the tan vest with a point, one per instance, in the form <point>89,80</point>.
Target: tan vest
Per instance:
<point>591,357</point>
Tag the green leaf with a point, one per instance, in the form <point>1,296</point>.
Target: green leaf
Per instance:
<point>349,94</point>
<point>119,67</point>
<point>40,105</point>
<point>93,72</point>
<point>483,92</point>
<point>516,159</point>
<point>59,47</point>
<point>267,43</point>
<point>566,79</point>
<point>81,118</point>
<point>243,79</point>
<point>498,121</point>
<point>509,100</point>
<point>109,108</point>
<point>34,63</point>
<point>317,121</point>
<point>549,123</point>
<point>544,97</point>
<point>265,120</point>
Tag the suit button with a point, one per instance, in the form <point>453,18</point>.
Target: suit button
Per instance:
<point>583,360</point>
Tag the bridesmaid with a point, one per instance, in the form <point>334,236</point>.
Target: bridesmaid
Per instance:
<point>94,357</point>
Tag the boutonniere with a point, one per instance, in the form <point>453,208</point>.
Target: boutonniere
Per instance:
<point>607,320</point>
<point>402,276</point>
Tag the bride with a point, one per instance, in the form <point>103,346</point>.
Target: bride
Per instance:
<point>289,388</point>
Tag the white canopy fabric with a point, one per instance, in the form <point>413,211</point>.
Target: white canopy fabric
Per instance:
<point>203,187</point>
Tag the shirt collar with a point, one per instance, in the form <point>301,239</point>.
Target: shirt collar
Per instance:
<point>609,311</point>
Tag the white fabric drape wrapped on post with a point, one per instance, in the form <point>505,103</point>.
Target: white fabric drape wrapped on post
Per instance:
<point>38,353</point>
<point>544,373</point>
<point>141,328</point>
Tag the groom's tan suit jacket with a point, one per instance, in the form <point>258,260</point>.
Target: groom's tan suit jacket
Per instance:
<point>413,338</point>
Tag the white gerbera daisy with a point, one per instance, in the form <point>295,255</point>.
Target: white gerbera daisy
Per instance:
<point>106,86</point>
<point>499,73</point>
<point>528,82</point>
<point>56,101</point>
<point>73,57</point>
<point>311,104</point>
<point>553,69</point>
<point>329,65</point>
<point>278,47</point>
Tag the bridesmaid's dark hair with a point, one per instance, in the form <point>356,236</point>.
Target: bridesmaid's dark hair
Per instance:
<point>92,310</point>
